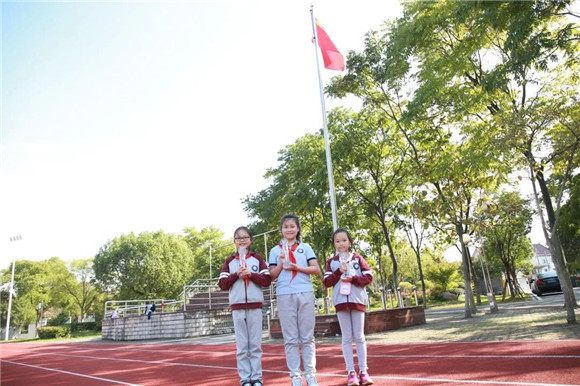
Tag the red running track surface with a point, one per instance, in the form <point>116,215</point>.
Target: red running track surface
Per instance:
<point>473,363</point>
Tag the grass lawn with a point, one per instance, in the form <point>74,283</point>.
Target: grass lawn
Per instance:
<point>484,301</point>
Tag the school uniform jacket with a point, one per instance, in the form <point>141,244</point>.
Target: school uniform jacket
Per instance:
<point>242,296</point>
<point>362,276</point>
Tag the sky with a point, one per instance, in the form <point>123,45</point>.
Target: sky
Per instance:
<point>134,116</point>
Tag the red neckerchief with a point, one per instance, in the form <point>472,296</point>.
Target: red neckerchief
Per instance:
<point>246,279</point>
<point>291,256</point>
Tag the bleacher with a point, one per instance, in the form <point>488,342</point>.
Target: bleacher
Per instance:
<point>215,299</point>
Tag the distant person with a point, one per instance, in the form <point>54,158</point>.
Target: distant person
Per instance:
<point>348,273</point>
<point>244,274</point>
<point>115,314</point>
<point>292,263</point>
<point>149,310</point>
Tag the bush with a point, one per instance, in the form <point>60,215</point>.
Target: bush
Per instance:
<point>457,291</point>
<point>406,287</point>
<point>428,285</point>
<point>85,326</point>
<point>54,332</point>
<point>59,320</point>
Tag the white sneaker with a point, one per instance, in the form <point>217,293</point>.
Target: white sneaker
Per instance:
<point>311,380</point>
<point>296,381</point>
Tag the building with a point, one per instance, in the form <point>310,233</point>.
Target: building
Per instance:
<point>542,260</point>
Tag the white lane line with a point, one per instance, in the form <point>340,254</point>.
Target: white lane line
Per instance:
<point>472,356</point>
<point>330,375</point>
<point>71,373</point>
<point>464,381</point>
<point>369,355</point>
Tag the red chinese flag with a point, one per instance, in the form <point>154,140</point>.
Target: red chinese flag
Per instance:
<point>333,59</point>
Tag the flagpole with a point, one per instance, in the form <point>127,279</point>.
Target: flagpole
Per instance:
<point>325,129</point>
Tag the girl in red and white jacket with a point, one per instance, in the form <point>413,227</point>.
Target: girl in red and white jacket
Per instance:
<point>348,273</point>
<point>244,274</point>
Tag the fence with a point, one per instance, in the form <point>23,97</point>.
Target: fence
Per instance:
<point>127,308</point>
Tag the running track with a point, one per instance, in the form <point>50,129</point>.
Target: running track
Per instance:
<point>473,363</point>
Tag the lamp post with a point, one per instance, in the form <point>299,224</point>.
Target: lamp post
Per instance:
<point>11,291</point>
<point>210,259</point>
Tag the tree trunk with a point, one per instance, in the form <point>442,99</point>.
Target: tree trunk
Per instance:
<point>475,279</point>
<point>393,260</point>
<point>557,253</point>
<point>422,278</point>
<point>469,305</point>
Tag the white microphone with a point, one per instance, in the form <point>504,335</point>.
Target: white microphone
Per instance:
<point>345,286</point>
<point>343,258</point>
<point>286,252</point>
<point>242,253</point>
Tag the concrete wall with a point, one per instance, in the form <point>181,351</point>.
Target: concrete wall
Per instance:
<point>168,325</point>
<point>16,332</point>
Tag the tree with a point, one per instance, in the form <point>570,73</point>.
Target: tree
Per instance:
<point>32,287</point>
<point>474,68</point>
<point>372,167</point>
<point>148,266</point>
<point>504,230</point>
<point>443,274</point>
<point>569,226</point>
<point>416,233</point>
<point>448,150</point>
<point>199,243</point>
<point>300,186</point>
<point>74,289</point>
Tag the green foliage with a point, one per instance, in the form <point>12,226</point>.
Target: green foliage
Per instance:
<point>569,226</point>
<point>199,243</point>
<point>443,274</point>
<point>85,326</point>
<point>504,229</point>
<point>148,266</point>
<point>32,285</point>
<point>406,286</point>
<point>456,291</point>
<point>53,332</point>
<point>428,285</point>
<point>302,161</point>
<point>60,320</point>
<point>72,290</point>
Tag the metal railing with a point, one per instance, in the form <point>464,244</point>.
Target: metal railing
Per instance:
<point>137,307</point>
<point>189,291</point>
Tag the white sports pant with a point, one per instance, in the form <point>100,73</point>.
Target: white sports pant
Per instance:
<point>352,325</point>
<point>297,319</point>
<point>248,327</point>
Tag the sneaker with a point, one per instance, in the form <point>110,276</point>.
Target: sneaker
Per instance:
<point>258,383</point>
<point>246,384</point>
<point>365,378</point>
<point>311,380</point>
<point>352,379</point>
<point>296,381</point>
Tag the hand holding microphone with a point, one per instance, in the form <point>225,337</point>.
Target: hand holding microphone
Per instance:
<point>346,279</point>
<point>286,252</point>
<point>343,258</point>
<point>243,271</point>
<point>242,253</point>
